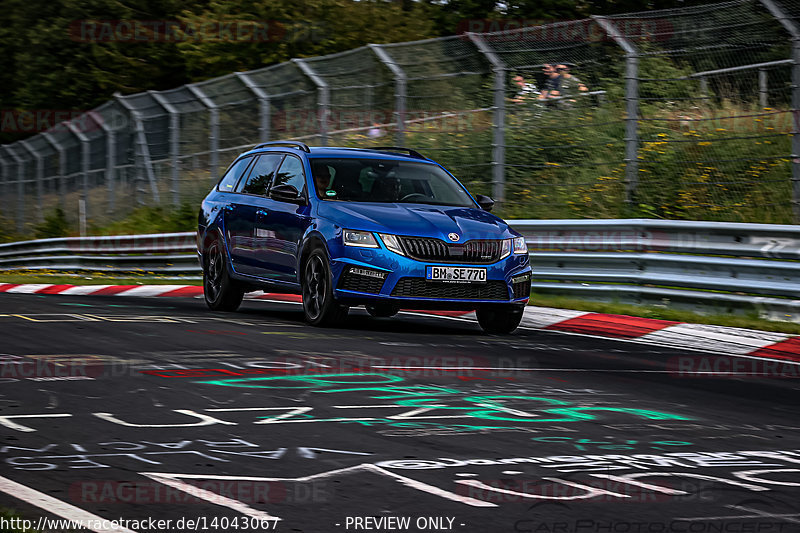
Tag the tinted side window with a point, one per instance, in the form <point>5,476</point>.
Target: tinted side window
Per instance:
<point>261,175</point>
<point>291,173</point>
<point>228,181</point>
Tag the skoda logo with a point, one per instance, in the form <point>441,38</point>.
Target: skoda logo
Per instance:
<point>453,237</point>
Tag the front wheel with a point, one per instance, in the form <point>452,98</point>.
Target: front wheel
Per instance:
<point>500,319</point>
<point>319,306</point>
<point>220,291</point>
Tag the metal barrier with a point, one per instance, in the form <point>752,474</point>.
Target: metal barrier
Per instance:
<point>698,121</point>
<point>695,265</point>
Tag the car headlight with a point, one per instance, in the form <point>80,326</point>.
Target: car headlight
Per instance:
<point>520,246</point>
<point>392,243</point>
<point>362,239</point>
<point>505,248</point>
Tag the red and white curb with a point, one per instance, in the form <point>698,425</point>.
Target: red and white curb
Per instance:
<point>697,337</point>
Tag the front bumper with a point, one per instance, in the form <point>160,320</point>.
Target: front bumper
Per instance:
<point>373,275</point>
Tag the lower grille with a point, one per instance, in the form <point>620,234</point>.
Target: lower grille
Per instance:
<point>522,289</point>
<point>355,281</point>
<point>419,288</point>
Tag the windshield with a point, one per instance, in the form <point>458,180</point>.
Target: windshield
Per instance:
<point>378,180</point>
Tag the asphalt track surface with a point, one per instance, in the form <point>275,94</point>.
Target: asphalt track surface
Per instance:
<point>159,409</point>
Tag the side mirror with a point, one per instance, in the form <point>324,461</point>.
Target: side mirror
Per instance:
<point>485,202</point>
<point>286,193</point>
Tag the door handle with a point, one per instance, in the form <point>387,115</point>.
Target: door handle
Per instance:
<point>263,212</point>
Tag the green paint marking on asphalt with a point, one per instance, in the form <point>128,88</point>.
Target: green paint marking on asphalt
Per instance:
<point>73,304</point>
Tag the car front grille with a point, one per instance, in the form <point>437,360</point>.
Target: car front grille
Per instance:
<point>420,288</point>
<point>362,280</point>
<point>474,252</point>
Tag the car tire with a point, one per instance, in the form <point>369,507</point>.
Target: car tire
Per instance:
<point>319,306</point>
<point>500,319</point>
<point>382,310</point>
<point>220,291</point>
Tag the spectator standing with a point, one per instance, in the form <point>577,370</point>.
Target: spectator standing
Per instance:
<point>551,87</point>
<point>568,82</point>
<point>526,90</point>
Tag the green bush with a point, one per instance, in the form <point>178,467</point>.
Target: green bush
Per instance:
<point>55,225</point>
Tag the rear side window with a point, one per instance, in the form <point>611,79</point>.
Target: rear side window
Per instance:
<point>291,173</point>
<point>261,174</point>
<point>228,181</point>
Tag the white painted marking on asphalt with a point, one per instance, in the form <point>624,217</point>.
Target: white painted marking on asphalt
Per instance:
<point>4,421</point>
<point>648,486</point>
<point>793,518</point>
<point>430,489</point>
<point>212,497</point>
<point>56,506</point>
<point>412,483</point>
<point>756,514</point>
<point>591,492</point>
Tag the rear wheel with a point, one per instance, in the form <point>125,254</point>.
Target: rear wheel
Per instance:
<point>382,310</point>
<point>500,319</point>
<point>319,306</point>
<point>220,291</point>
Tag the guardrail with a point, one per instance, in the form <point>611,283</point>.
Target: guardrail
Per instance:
<point>696,265</point>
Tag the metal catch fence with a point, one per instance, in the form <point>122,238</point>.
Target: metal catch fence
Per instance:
<point>684,114</point>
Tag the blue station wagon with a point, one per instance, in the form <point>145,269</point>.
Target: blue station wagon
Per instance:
<point>386,228</point>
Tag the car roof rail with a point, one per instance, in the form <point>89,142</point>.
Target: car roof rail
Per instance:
<point>292,144</point>
<point>412,153</point>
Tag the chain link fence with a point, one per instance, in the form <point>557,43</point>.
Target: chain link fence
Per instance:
<point>677,114</point>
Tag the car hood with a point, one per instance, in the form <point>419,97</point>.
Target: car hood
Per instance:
<point>417,219</point>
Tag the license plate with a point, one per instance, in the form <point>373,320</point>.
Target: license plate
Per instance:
<point>455,274</point>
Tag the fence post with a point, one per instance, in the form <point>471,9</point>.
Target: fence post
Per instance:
<point>142,150</point>
<point>631,107</point>
<point>213,127</point>
<point>174,143</point>
<point>4,190</point>
<point>323,99</point>
<point>111,156</point>
<point>793,30</point>
<point>84,140</point>
<point>763,88</point>
<point>499,119</point>
<point>400,88</point>
<point>39,177</point>
<point>264,110</point>
<point>20,188</point>
<point>62,168</point>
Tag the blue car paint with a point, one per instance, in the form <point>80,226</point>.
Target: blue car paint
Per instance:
<point>325,220</point>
